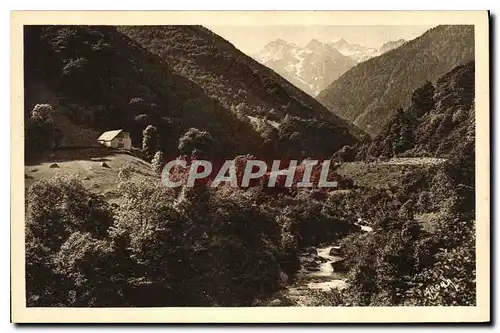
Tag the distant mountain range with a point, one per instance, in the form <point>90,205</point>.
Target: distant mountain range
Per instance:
<point>370,93</point>
<point>315,65</point>
<point>356,52</point>
<point>311,68</point>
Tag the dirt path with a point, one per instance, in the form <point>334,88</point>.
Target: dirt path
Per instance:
<point>414,161</point>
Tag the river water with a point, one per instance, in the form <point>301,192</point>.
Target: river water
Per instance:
<point>317,272</point>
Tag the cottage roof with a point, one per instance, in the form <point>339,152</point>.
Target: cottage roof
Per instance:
<point>109,135</point>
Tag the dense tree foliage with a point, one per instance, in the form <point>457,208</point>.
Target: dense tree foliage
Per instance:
<point>370,93</point>
<point>171,77</point>
<point>223,246</point>
<point>198,247</point>
<point>56,210</point>
<point>39,130</point>
<point>435,122</point>
<point>243,85</point>
<point>150,142</point>
<point>199,143</point>
<point>102,79</point>
<point>405,261</point>
<point>423,99</point>
<point>313,222</point>
<point>420,264</point>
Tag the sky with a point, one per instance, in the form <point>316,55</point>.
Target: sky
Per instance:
<point>251,39</point>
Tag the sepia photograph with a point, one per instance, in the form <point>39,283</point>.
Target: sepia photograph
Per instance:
<point>268,165</point>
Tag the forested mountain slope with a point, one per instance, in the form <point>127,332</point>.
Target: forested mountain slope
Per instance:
<point>370,93</point>
<point>100,78</point>
<point>239,82</point>
<point>439,121</point>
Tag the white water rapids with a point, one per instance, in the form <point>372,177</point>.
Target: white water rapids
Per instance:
<point>317,272</point>
<point>336,280</point>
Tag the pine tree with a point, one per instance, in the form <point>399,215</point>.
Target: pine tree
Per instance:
<point>158,162</point>
<point>150,142</point>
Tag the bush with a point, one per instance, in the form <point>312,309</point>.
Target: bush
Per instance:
<point>158,162</point>
<point>194,141</point>
<point>125,172</point>
<point>61,206</point>
<point>87,265</point>
<point>55,210</point>
<point>231,240</point>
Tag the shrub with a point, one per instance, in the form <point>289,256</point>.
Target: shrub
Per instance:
<point>194,141</point>
<point>55,210</point>
<point>86,264</point>
<point>61,206</point>
<point>125,172</point>
<point>158,162</point>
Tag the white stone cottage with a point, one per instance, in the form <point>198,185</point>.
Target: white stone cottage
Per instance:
<point>116,139</point>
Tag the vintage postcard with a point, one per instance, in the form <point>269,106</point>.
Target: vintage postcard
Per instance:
<point>272,167</point>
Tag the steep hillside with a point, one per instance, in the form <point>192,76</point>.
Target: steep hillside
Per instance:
<point>101,79</point>
<point>311,68</point>
<point>386,47</point>
<point>440,120</point>
<point>174,78</point>
<point>240,83</point>
<point>370,93</point>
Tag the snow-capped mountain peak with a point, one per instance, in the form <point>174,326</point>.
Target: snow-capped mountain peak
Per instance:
<point>315,44</point>
<point>355,51</point>
<point>311,67</point>
<point>317,64</point>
